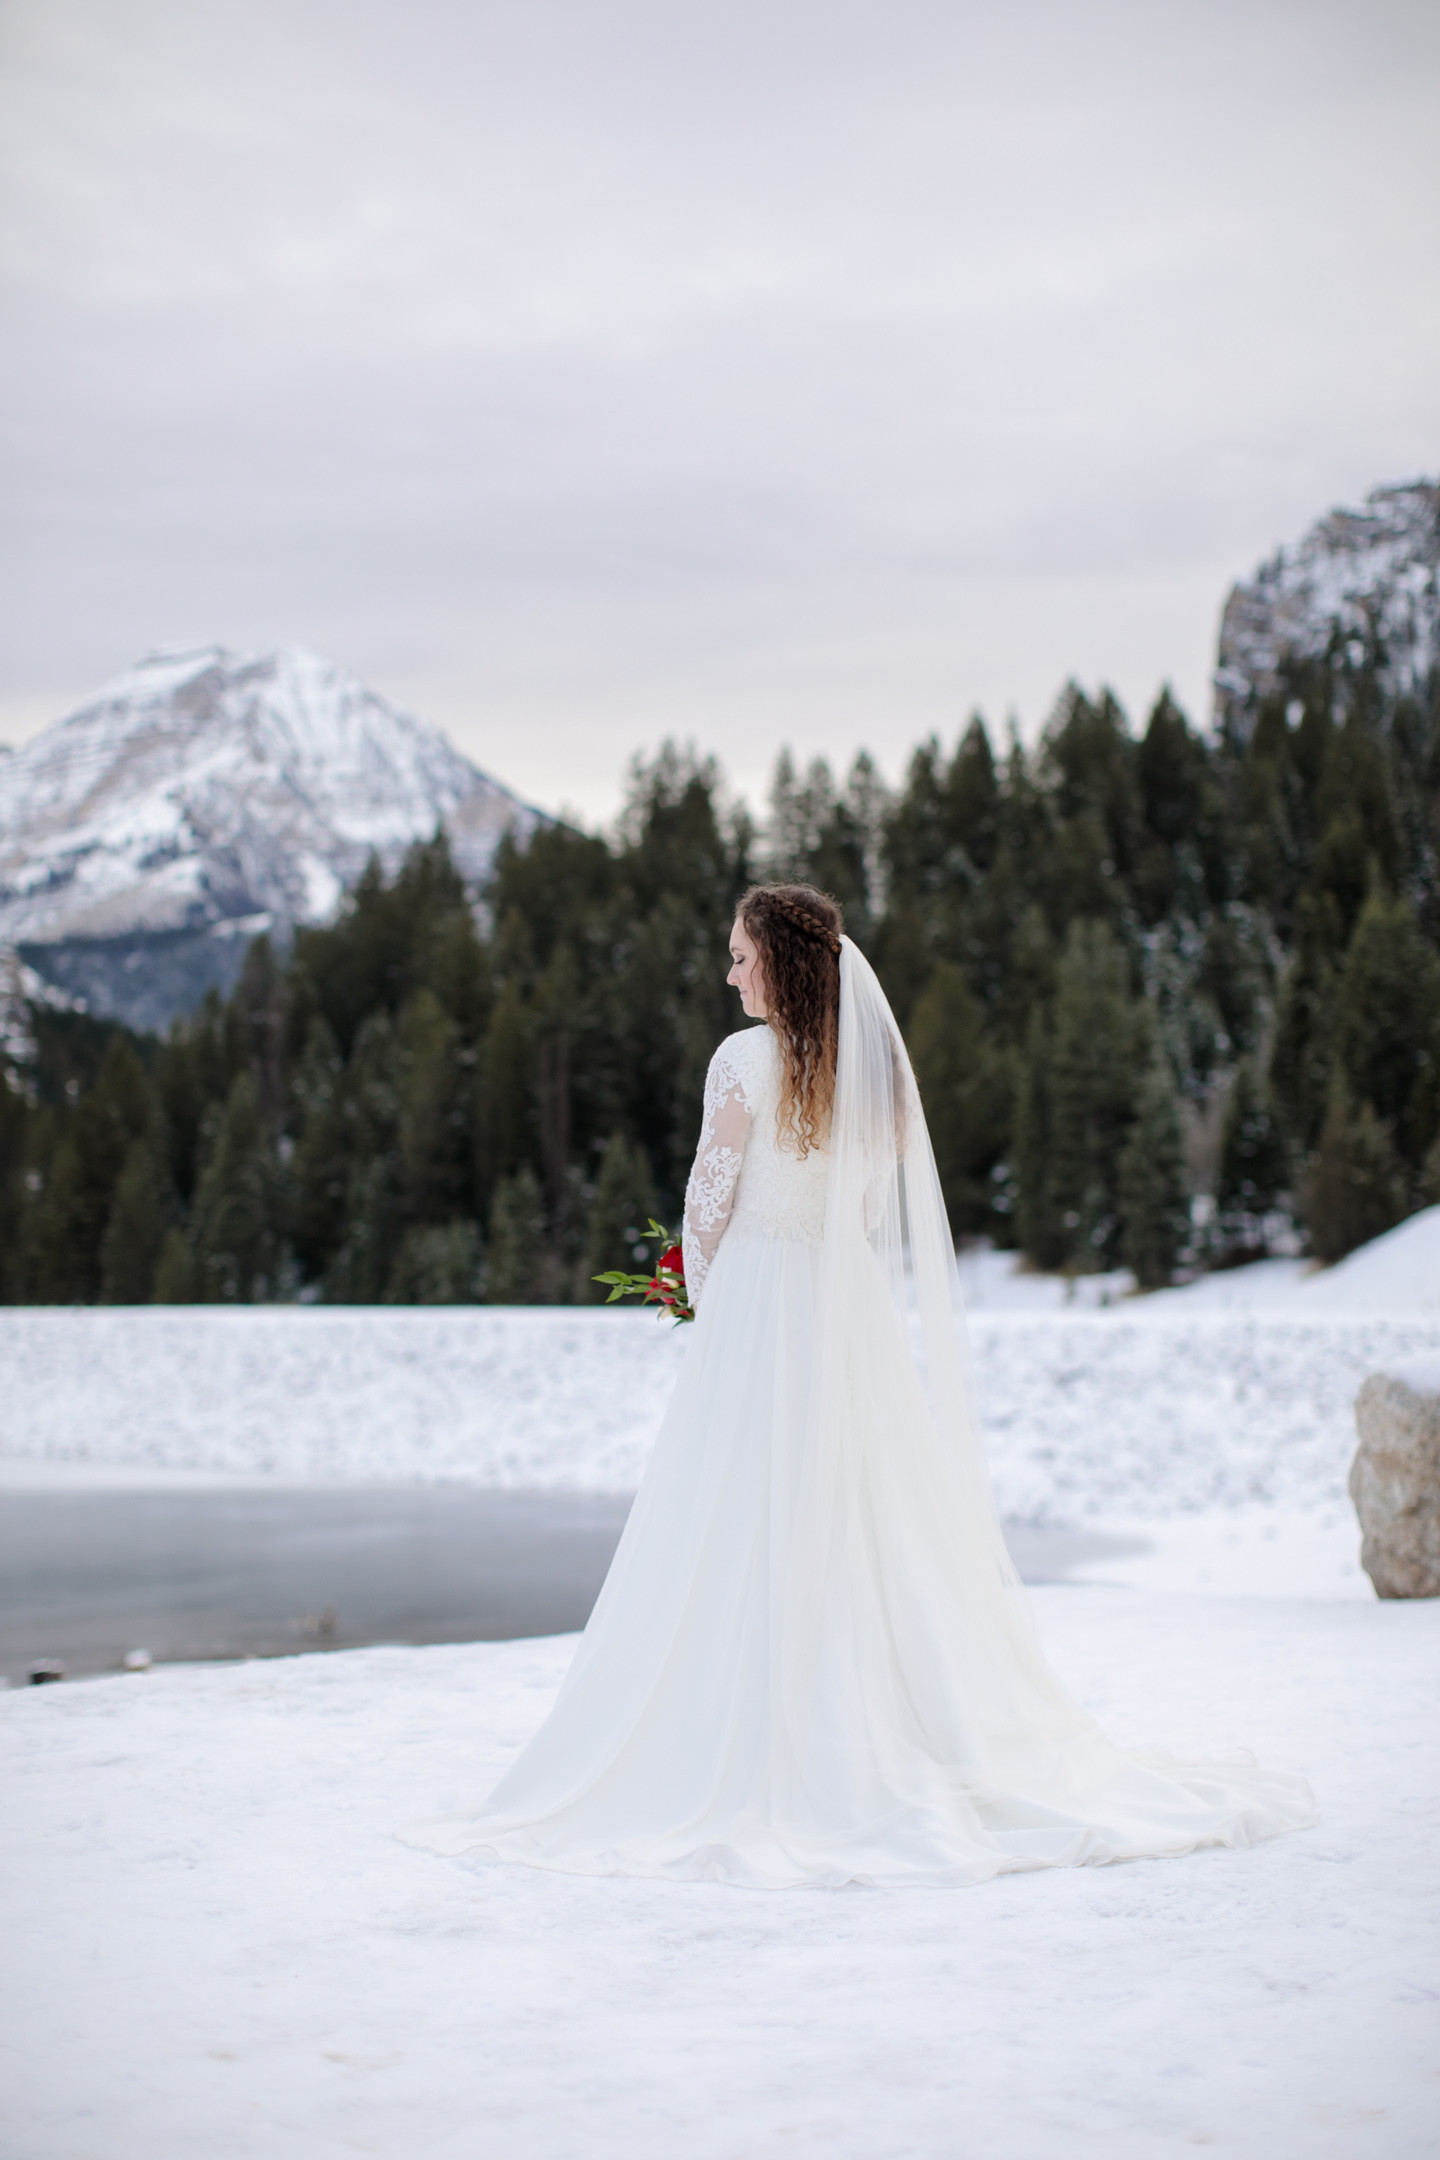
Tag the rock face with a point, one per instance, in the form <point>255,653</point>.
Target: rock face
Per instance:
<point>206,796</point>
<point>1395,1479</point>
<point>1367,580</point>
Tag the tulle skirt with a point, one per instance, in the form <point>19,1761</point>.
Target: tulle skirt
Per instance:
<point>799,1672</point>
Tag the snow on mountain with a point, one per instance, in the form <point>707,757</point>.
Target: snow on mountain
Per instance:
<point>1372,575</point>
<point>205,796</point>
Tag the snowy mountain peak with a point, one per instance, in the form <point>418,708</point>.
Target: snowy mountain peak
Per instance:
<point>1370,575</point>
<point>205,795</point>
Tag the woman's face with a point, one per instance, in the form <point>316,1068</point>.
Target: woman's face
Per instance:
<point>747,975</point>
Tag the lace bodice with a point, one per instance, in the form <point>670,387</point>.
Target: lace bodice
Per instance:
<point>745,1177</point>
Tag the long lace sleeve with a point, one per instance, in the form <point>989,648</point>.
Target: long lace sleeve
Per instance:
<point>710,1194</point>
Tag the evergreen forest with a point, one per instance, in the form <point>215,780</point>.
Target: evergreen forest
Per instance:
<point>1173,1002</point>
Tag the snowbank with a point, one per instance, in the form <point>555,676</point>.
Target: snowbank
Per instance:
<point>1395,1275</point>
<point>1104,1417</point>
<point>227,1953</point>
<point>527,1397</point>
<point>1399,1272</point>
<point>1133,1413</point>
<point>1420,1374</point>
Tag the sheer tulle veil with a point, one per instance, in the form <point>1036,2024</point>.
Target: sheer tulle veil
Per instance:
<point>894,1487</point>
<point>886,1226</point>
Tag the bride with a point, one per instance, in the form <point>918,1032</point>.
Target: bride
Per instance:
<point>812,1661</point>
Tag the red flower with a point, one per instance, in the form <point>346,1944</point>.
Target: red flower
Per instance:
<point>666,1287</point>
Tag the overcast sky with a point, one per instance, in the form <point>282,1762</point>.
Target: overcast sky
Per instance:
<point>749,370</point>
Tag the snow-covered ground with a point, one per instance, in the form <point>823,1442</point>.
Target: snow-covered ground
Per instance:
<point>215,1949</point>
<point>214,1945</point>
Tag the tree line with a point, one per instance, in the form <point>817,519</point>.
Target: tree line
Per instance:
<point>1169,999</point>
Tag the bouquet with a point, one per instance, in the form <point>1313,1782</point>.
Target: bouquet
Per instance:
<point>665,1287</point>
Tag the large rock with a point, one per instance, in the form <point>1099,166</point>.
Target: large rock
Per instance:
<point>1395,1478</point>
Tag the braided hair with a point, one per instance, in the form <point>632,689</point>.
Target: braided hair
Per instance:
<point>798,933</point>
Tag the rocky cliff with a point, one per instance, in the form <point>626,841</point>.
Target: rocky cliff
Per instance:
<point>1362,585</point>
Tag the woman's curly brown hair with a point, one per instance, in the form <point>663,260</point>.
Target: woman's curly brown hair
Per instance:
<point>798,933</point>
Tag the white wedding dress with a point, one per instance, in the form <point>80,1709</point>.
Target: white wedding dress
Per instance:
<point>812,1661</point>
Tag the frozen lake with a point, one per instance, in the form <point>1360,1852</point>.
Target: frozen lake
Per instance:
<point>213,1571</point>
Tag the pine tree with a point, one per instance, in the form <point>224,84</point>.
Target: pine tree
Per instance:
<point>1303,1054</point>
<point>433,1111</point>
<point>257,1014</point>
<point>374,1215</point>
<point>1429,1188</point>
<point>389,942</point>
<point>15,1136</point>
<point>1182,863</point>
<point>917,838</point>
<point>193,1076</point>
<point>793,815</point>
<point>1387,1024</point>
<point>175,1280</point>
<point>1271,815</point>
<point>67,1224</point>
<point>623,1204</point>
<point>557,995</point>
<point>141,1215</point>
<point>505,1105</point>
<point>903,957</point>
<point>1414,747</point>
<point>866,806</point>
<point>972,790</point>
<point>1022,959</point>
<point>1234,976</point>
<point>1358,840</point>
<point>515,1254</point>
<point>1255,1174</point>
<point>1154,1187</point>
<point>1090,763</point>
<point>966,1088</point>
<point>237,1206</point>
<point>320,1163</point>
<point>438,1264</point>
<point>360,1269</point>
<point>1038,1219</point>
<point>824,837</point>
<point>1100,1049</point>
<point>1355,1187</point>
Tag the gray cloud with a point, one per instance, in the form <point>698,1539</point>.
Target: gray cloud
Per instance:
<point>581,373</point>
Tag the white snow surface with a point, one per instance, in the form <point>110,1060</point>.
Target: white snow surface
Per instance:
<point>206,789</point>
<point>1088,1416</point>
<point>216,1948</point>
<point>1373,574</point>
<point>1420,1374</point>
